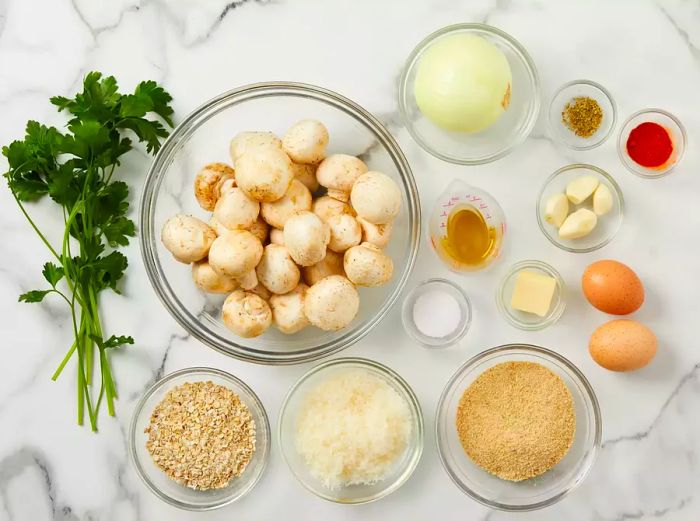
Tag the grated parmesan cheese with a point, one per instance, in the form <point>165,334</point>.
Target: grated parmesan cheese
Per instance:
<point>352,428</point>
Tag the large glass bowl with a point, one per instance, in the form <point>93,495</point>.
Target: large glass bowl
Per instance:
<point>172,492</point>
<point>400,470</point>
<point>499,139</point>
<point>543,490</point>
<point>203,137</point>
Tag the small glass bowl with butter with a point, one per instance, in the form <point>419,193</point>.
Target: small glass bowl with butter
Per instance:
<point>580,208</point>
<point>532,295</point>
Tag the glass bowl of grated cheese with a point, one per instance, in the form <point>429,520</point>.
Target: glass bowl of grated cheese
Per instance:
<point>351,430</point>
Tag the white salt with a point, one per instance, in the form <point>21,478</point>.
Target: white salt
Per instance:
<point>436,313</point>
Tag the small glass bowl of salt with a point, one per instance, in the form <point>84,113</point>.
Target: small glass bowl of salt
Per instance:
<point>437,313</point>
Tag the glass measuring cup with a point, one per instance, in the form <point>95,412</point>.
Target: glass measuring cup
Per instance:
<point>477,241</point>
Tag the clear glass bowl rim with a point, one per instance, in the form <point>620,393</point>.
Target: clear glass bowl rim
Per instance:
<point>529,65</point>
<point>554,357</point>
<point>605,92</point>
<point>547,321</point>
<point>414,404</point>
<point>652,173</point>
<point>163,382</point>
<point>149,237</point>
<point>449,340</point>
<point>616,188</point>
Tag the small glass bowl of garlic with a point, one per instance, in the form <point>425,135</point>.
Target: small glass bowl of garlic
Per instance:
<point>580,208</point>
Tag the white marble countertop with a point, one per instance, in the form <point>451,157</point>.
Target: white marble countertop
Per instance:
<point>646,53</point>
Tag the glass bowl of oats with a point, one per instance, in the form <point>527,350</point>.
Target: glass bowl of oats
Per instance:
<point>199,438</point>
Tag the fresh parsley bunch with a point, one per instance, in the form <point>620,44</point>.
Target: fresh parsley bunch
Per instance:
<point>75,169</point>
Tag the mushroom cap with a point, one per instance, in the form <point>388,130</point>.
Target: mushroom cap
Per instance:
<point>377,234</point>
<point>345,232</point>
<point>331,264</point>
<point>235,210</point>
<point>306,237</point>
<point>187,238</point>
<point>277,271</point>
<point>338,173</point>
<point>367,265</point>
<point>235,253</point>
<point>208,280</point>
<point>307,175</point>
<point>277,236</point>
<point>332,303</point>
<point>249,280</point>
<point>260,229</point>
<point>306,141</point>
<point>288,310</point>
<point>246,314</point>
<point>296,199</point>
<point>207,182</point>
<point>376,197</point>
<point>244,141</point>
<point>326,207</point>
<point>264,173</point>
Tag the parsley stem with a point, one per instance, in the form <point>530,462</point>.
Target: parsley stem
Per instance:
<point>31,222</point>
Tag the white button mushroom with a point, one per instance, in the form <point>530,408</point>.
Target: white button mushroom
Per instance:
<point>276,236</point>
<point>261,291</point>
<point>288,310</point>
<point>245,141</point>
<point>276,270</point>
<point>326,207</point>
<point>367,265</point>
<point>264,173</point>
<point>206,279</point>
<point>338,173</point>
<point>187,238</point>
<point>225,184</point>
<point>376,198</point>
<point>307,175</point>
<point>218,228</point>
<point>306,141</point>
<point>306,238</point>
<point>246,314</point>
<point>332,303</point>
<point>377,234</point>
<point>332,264</point>
<point>345,232</point>
<point>248,280</point>
<point>207,183</point>
<point>235,210</point>
<point>297,199</point>
<point>260,229</point>
<point>235,253</point>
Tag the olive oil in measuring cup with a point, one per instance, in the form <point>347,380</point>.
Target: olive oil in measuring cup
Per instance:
<point>467,228</point>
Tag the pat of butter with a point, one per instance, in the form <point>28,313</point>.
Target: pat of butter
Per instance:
<point>533,293</point>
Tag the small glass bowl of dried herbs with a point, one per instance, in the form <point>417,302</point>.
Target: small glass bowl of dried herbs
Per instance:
<point>582,115</point>
<point>199,438</point>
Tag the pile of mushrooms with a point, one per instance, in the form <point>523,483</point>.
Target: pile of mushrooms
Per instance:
<point>292,235</point>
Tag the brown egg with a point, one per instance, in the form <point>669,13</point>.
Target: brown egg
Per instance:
<point>622,345</point>
<point>612,287</point>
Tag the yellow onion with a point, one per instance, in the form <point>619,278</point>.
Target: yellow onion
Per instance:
<point>463,83</point>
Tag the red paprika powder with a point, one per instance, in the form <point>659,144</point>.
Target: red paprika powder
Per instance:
<point>649,145</point>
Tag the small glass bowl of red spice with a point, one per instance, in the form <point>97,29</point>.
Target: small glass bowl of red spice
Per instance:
<point>582,115</point>
<point>651,143</point>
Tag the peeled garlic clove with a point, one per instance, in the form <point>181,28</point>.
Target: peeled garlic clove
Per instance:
<point>581,188</point>
<point>556,209</point>
<point>602,200</point>
<point>578,224</point>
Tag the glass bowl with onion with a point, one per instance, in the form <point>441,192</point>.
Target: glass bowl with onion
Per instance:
<point>539,491</point>
<point>203,137</point>
<point>606,226</point>
<point>399,467</point>
<point>169,490</point>
<point>435,89</point>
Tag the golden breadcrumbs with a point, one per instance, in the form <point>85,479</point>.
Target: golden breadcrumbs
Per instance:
<point>516,420</point>
<point>201,435</point>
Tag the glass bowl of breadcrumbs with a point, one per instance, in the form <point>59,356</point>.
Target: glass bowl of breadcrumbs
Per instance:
<point>199,438</point>
<point>518,427</point>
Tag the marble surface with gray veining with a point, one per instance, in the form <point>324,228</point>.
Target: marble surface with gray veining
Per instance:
<point>646,53</point>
